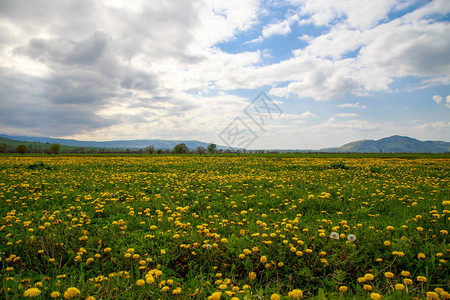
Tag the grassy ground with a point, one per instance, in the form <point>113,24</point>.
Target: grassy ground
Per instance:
<point>250,227</point>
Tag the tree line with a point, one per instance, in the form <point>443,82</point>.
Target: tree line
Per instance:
<point>178,149</point>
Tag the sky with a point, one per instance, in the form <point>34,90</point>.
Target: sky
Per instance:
<point>293,74</point>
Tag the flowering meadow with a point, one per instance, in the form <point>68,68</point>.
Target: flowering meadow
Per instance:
<point>224,227</point>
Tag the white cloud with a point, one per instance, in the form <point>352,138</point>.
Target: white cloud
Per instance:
<point>447,99</point>
<point>281,28</point>
<point>361,14</point>
<point>346,115</point>
<point>434,125</point>
<point>119,59</point>
<point>417,47</point>
<point>437,99</point>
<point>139,69</point>
<point>351,105</point>
<point>307,114</point>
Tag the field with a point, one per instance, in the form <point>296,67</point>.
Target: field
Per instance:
<point>236,227</point>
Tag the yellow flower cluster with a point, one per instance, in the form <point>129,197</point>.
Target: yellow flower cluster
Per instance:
<point>240,222</point>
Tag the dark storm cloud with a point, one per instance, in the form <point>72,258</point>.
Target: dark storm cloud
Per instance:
<point>65,51</point>
<point>138,81</point>
<point>84,56</point>
<point>25,106</point>
<point>78,87</point>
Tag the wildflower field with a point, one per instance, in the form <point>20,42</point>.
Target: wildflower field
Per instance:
<point>224,227</point>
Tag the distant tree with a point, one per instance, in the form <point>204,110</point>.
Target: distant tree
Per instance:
<point>212,148</point>
<point>200,150</point>
<point>149,149</point>
<point>21,149</point>
<point>159,151</point>
<point>55,148</point>
<point>180,149</point>
<point>2,147</point>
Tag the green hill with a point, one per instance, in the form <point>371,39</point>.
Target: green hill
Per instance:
<point>393,144</point>
<point>9,146</point>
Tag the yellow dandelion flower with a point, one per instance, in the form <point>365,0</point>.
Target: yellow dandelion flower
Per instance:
<point>407,281</point>
<point>275,297</point>
<point>422,279</point>
<point>343,289</point>
<point>368,277</point>
<point>140,282</point>
<point>375,296</point>
<point>215,296</point>
<point>71,292</point>
<point>32,292</point>
<point>296,294</point>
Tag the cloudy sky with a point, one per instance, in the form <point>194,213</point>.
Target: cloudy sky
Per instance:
<point>332,71</point>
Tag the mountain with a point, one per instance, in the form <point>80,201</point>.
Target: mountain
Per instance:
<point>391,144</point>
<point>123,144</point>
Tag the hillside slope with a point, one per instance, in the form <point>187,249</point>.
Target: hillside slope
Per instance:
<point>391,144</point>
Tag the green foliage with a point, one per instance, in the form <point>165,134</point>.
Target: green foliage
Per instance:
<point>338,165</point>
<point>55,148</point>
<point>149,149</point>
<point>212,148</point>
<point>22,149</point>
<point>39,166</point>
<point>180,149</point>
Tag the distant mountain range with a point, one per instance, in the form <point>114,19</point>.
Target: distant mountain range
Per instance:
<point>392,144</point>
<point>125,144</point>
<point>396,143</point>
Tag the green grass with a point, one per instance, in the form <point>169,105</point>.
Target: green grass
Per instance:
<point>205,212</point>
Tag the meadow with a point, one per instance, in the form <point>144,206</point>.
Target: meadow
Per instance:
<point>231,227</point>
